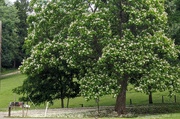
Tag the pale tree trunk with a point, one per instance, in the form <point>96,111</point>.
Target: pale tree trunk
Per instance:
<point>14,64</point>
<point>120,106</point>
<point>67,102</point>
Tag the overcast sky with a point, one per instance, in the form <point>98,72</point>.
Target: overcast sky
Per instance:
<point>10,1</point>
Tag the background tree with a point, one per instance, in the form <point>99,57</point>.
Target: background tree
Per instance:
<point>46,65</point>
<point>48,69</point>
<point>23,10</point>
<point>173,9</point>
<point>10,43</point>
<point>2,2</point>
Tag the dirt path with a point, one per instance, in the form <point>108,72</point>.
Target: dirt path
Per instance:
<point>9,74</point>
<point>51,113</point>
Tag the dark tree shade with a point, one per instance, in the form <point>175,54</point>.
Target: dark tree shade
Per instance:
<point>23,9</point>
<point>10,43</point>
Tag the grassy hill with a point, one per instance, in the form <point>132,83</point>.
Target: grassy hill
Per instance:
<point>6,86</point>
<point>10,82</point>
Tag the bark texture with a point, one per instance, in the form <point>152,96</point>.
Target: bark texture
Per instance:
<point>120,106</point>
<point>150,95</point>
<point>62,103</point>
<point>150,98</point>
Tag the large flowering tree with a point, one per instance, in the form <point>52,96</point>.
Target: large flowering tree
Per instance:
<point>110,43</point>
<point>49,76</point>
<point>122,41</point>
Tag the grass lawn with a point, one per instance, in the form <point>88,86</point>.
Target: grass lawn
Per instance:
<point>10,82</point>
<point>137,98</point>
<point>159,116</point>
<point>6,86</point>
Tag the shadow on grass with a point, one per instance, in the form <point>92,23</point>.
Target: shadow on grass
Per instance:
<point>140,110</point>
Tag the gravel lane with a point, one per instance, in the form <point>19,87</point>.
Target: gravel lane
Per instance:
<point>9,74</point>
<point>51,113</point>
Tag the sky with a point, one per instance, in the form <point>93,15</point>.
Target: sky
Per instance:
<point>10,1</point>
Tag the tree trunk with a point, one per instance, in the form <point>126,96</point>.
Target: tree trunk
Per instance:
<point>150,95</point>
<point>97,102</point>
<point>62,93</point>
<point>120,106</point>
<point>62,102</point>
<point>14,64</point>
<point>67,102</point>
<point>150,98</point>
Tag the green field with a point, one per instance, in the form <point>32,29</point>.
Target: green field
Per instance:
<point>6,86</point>
<point>138,99</point>
<point>159,116</point>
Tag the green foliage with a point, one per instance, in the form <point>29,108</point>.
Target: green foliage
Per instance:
<point>6,86</point>
<point>137,50</point>
<point>109,43</point>
<point>46,64</point>
<point>173,9</point>
<point>23,10</point>
<point>2,3</point>
<point>143,53</point>
<point>139,100</point>
<point>47,68</point>
<point>8,16</point>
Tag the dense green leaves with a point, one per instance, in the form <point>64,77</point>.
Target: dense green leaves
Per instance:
<point>8,16</point>
<point>23,10</point>
<point>173,10</point>
<point>105,44</point>
<point>47,65</point>
<point>141,52</point>
<point>47,68</point>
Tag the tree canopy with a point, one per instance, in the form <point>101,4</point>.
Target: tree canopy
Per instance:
<point>48,69</point>
<point>23,10</point>
<point>131,46</point>
<point>107,44</point>
<point>173,9</point>
<point>8,16</point>
<point>46,65</point>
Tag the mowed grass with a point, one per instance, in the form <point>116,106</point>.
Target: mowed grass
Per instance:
<point>137,98</point>
<point>158,116</point>
<point>6,86</point>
